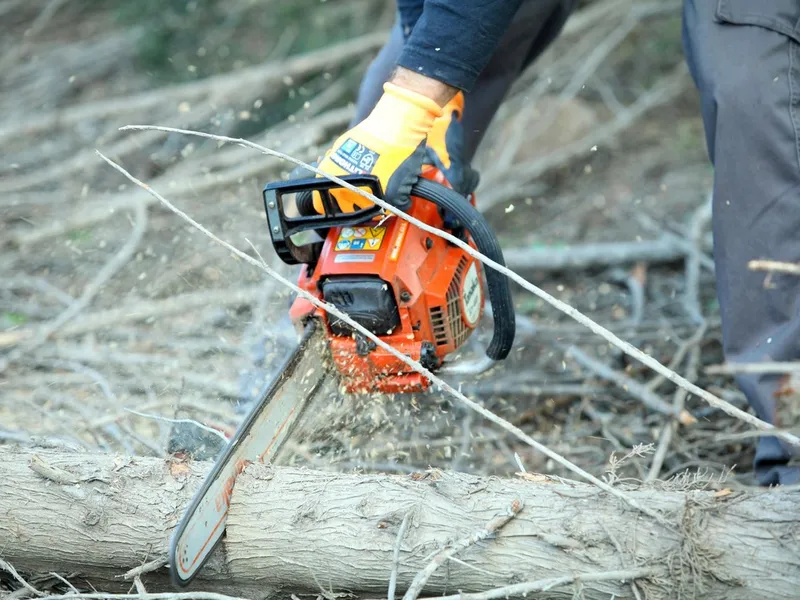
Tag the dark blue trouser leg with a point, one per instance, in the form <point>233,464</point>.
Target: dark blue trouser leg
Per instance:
<point>744,57</point>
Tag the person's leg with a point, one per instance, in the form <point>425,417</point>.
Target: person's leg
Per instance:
<point>745,59</point>
<point>536,24</point>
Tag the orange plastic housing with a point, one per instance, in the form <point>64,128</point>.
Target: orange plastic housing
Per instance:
<point>426,274</point>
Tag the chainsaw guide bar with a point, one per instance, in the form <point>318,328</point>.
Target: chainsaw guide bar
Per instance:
<point>262,433</point>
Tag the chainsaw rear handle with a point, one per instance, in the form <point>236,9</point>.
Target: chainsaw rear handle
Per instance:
<point>488,245</point>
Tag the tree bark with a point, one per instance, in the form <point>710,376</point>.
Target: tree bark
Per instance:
<point>296,531</point>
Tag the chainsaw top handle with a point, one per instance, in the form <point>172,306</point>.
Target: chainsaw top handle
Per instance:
<point>282,227</point>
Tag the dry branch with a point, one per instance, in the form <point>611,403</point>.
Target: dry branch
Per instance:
<point>588,255</point>
<point>188,180</point>
<point>295,529</point>
<point>217,88</point>
<point>501,186</point>
<point>774,266</point>
<point>631,386</point>
<point>761,368</point>
<point>103,276</point>
<point>146,309</point>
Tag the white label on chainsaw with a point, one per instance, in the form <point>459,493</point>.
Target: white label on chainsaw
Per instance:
<point>471,296</point>
<point>354,258</point>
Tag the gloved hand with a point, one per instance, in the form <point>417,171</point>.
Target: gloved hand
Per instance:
<point>445,148</point>
<point>390,143</point>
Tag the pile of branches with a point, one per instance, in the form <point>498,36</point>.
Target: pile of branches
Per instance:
<point>121,317</point>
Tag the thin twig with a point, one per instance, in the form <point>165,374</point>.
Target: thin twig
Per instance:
<point>744,435</point>
<point>607,335</point>
<point>39,23</point>
<point>774,266</point>
<point>597,254</point>
<point>66,582</point>
<point>669,428</point>
<point>680,353</point>
<point>396,557</point>
<point>149,309</point>
<point>441,384</point>
<point>13,572</point>
<point>216,88</point>
<point>634,388</point>
<point>697,226</point>
<point>492,526</point>
<point>137,582</point>
<point>543,585</point>
<point>519,463</point>
<point>586,68</point>
<point>754,368</point>
<point>219,434</point>
<point>661,93</point>
<point>39,284</point>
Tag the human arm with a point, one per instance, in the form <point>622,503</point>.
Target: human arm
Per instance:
<point>451,41</point>
<point>448,47</point>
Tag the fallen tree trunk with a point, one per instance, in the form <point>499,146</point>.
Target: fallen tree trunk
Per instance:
<point>295,531</point>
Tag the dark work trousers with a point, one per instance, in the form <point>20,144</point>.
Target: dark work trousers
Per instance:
<point>744,56</point>
<point>535,26</point>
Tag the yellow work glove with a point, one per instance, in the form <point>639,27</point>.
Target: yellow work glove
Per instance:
<point>445,139</point>
<point>389,143</point>
<point>445,148</point>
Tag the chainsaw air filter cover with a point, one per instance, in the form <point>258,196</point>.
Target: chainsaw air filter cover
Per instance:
<point>367,299</point>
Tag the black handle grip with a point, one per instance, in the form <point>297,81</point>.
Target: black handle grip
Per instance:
<point>488,245</point>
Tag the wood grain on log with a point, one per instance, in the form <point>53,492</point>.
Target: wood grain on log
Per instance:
<point>294,530</point>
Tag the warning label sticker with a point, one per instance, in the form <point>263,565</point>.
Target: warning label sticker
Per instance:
<point>354,157</point>
<point>360,238</point>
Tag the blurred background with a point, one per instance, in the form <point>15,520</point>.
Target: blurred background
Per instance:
<point>116,315</point>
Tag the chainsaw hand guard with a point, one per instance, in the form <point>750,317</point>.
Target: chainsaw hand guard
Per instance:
<point>282,226</point>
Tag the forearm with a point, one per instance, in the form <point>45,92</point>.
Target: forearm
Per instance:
<point>438,91</point>
<point>453,40</point>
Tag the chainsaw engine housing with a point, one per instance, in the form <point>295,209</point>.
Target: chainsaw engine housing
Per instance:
<point>415,291</point>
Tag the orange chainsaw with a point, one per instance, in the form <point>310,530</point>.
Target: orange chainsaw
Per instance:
<point>417,292</point>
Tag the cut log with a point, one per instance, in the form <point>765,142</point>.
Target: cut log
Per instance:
<point>296,531</point>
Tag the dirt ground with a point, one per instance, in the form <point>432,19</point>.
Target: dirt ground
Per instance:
<point>106,308</point>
